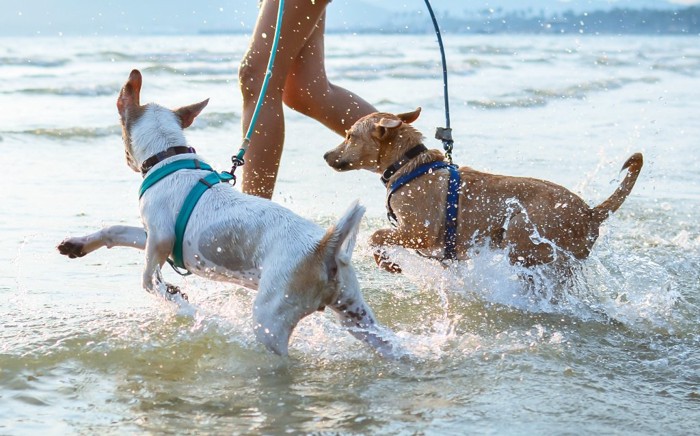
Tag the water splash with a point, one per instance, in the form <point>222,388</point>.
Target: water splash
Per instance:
<point>628,289</point>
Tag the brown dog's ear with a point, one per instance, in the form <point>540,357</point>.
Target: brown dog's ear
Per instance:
<point>409,117</point>
<point>389,123</point>
<point>187,114</point>
<point>384,127</point>
<point>130,94</point>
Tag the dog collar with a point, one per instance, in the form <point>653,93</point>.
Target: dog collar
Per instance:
<point>393,168</point>
<point>159,157</point>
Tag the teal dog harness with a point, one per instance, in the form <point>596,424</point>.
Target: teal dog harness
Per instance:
<point>191,200</point>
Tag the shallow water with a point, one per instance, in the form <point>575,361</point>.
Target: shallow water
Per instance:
<point>613,349</point>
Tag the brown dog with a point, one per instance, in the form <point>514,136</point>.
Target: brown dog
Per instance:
<point>538,221</point>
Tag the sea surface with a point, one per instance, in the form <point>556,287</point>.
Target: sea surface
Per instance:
<point>615,349</point>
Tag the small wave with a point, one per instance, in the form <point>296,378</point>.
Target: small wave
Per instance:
<point>537,60</point>
<point>363,54</point>
<point>580,91</point>
<point>228,70</point>
<point>215,119</point>
<point>161,57</point>
<point>610,61</point>
<point>470,65</point>
<point>534,97</point>
<point>507,104</point>
<point>491,50</point>
<point>90,91</point>
<point>72,132</point>
<point>161,69</point>
<point>110,56</point>
<point>400,70</point>
<point>37,62</point>
<point>204,121</point>
<point>386,102</point>
<point>690,67</point>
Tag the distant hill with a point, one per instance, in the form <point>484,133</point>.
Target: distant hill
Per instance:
<point>119,17</point>
<point>613,21</point>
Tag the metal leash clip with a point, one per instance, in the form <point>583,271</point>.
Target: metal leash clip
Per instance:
<point>445,135</point>
<point>236,162</point>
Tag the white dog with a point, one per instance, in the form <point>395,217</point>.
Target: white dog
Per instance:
<point>295,266</point>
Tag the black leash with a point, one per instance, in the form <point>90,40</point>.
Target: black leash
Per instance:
<point>443,133</point>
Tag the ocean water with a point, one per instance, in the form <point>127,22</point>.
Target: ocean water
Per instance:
<point>615,349</point>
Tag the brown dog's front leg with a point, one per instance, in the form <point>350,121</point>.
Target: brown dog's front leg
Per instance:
<point>379,240</point>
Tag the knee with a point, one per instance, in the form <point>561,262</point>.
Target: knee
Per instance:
<point>250,78</point>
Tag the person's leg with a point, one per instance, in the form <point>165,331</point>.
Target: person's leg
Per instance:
<point>307,89</point>
<point>263,156</point>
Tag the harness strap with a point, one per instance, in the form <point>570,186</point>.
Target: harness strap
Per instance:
<point>451,210</point>
<point>190,202</point>
<point>164,171</point>
<point>186,211</point>
<point>451,201</point>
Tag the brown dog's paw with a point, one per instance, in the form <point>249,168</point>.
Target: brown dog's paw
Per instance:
<point>383,262</point>
<point>71,248</point>
<point>391,267</point>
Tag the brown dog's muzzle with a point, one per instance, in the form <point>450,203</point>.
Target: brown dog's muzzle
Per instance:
<point>333,160</point>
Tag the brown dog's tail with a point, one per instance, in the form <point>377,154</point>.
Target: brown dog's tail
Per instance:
<point>604,209</point>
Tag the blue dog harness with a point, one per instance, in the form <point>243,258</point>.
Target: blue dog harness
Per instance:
<point>451,203</point>
<point>191,200</point>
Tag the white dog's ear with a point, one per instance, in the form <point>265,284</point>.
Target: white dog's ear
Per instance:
<point>187,114</point>
<point>339,242</point>
<point>409,117</point>
<point>130,94</point>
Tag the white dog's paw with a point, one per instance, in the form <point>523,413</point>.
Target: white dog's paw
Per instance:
<point>173,291</point>
<point>72,247</point>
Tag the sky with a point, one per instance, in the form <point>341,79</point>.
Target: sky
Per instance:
<point>108,17</point>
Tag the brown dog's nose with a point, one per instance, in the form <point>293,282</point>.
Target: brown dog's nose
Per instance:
<point>325,155</point>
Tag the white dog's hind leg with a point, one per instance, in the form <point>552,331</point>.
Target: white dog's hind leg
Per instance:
<point>113,236</point>
<point>356,316</point>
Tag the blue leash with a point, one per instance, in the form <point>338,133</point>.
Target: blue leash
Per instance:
<point>237,160</point>
<point>443,133</point>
